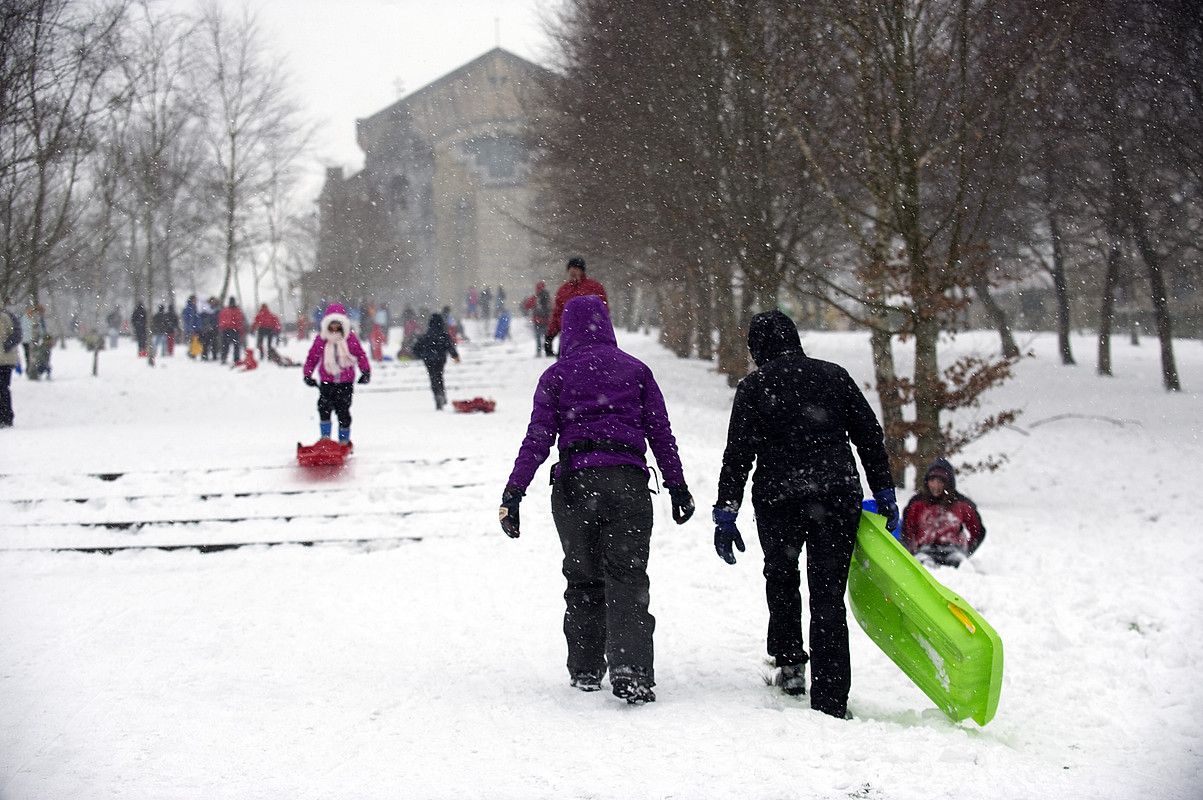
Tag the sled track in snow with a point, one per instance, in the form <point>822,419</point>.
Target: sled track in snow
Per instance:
<point>31,502</point>
<point>388,542</point>
<point>115,476</point>
<point>139,524</point>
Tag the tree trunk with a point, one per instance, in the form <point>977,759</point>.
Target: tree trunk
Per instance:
<point>1157,293</point>
<point>1003,325</point>
<point>929,436</point>
<point>1061,289</point>
<point>703,315</point>
<point>1161,307</point>
<point>1107,307</point>
<point>675,328</point>
<point>231,221</point>
<point>732,337</point>
<point>886,379</point>
<point>149,266</point>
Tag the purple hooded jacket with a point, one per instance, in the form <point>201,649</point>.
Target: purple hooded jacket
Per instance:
<point>335,313</point>
<point>596,391</point>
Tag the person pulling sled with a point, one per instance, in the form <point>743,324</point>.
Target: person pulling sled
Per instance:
<point>795,417</point>
<point>335,353</point>
<point>604,407</point>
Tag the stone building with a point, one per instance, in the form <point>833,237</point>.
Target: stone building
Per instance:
<point>443,199</point>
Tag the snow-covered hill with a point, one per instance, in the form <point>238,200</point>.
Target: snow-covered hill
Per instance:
<point>428,662</point>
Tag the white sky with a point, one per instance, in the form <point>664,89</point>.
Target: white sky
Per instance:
<point>349,57</point>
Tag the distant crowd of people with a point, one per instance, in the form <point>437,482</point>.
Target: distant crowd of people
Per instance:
<point>208,330</point>
<point>544,313</point>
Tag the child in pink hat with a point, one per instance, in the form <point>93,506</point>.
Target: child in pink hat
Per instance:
<point>335,353</point>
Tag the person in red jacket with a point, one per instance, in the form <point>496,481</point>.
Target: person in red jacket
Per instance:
<point>941,525</point>
<point>577,285</point>
<point>231,327</point>
<point>267,330</point>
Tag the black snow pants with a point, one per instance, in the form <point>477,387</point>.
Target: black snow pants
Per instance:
<point>335,398</point>
<point>826,525</point>
<point>209,348</point>
<point>6,396</point>
<point>231,341</point>
<point>435,371</point>
<point>604,519</point>
<point>540,338</point>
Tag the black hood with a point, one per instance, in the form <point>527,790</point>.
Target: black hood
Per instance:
<point>941,468</point>
<point>772,335</point>
<point>436,323</point>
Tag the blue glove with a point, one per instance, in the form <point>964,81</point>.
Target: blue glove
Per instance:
<point>887,506</point>
<point>726,534</point>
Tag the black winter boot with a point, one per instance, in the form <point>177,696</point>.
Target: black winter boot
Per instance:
<point>632,684</point>
<point>791,678</point>
<point>587,681</point>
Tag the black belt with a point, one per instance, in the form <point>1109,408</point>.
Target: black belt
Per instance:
<point>564,465</point>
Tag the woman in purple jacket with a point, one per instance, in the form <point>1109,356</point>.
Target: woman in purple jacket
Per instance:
<point>604,407</point>
<point>335,353</point>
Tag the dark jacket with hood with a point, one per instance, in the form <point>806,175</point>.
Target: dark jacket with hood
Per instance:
<point>435,345</point>
<point>597,392</point>
<point>795,416</point>
<point>159,323</point>
<point>138,319</point>
<point>950,520</point>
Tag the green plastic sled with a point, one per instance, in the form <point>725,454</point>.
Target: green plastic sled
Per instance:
<point>934,636</point>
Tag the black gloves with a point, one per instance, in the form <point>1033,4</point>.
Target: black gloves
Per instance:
<point>309,381</point>
<point>508,513</point>
<point>682,503</point>
<point>887,506</point>
<point>365,377</point>
<point>547,340</point>
<point>726,534</point>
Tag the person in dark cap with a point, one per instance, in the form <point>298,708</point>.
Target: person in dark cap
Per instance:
<point>578,285</point>
<point>940,525</point>
<point>794,416</point>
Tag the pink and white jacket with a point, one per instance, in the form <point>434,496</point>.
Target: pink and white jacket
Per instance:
<point>336,355</point>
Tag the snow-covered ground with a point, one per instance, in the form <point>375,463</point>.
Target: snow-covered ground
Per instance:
<point>430,664</point>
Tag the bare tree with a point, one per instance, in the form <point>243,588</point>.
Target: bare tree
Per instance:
<point>55,57</point>
<point>250,112</point>
<point>161,155</point>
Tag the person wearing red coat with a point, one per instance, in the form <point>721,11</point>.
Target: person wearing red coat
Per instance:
<point>941,525</point>
<point>267,330</point>
<point>231,326</point>
<point>577,285</point>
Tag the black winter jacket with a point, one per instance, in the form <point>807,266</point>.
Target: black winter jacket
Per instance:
<point>795,416</point>
<point>435,344</point>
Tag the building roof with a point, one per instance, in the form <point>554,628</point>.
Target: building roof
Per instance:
<point>391,112</point>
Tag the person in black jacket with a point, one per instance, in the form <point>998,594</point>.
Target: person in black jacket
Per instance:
<point>433,347</point>
<point>138,323</point>
<point>794,416</point>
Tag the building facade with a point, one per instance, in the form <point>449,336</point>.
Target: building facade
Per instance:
<point>443,202</point>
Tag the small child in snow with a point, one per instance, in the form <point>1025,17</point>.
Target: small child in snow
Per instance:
<point>335,352</point>
<point>940,524</point>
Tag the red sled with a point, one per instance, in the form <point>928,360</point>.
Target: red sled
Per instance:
<point>475,404</point>
<point>323,453</point>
